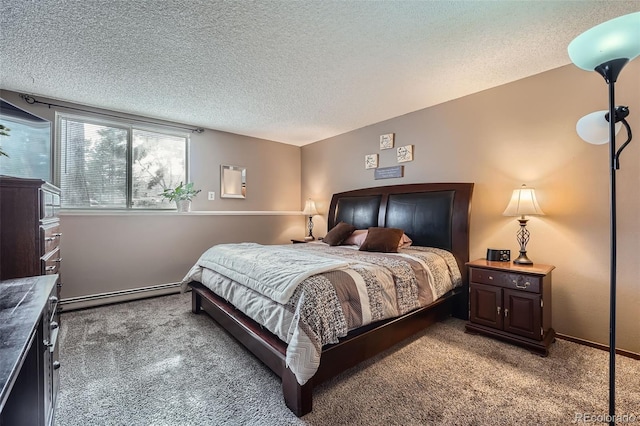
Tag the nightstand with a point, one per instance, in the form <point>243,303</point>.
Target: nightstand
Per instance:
<point>512,303</point>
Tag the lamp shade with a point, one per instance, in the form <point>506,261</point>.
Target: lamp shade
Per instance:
<point>594,128</point>
<point>310,208</point>
<point>618,38</point>
<point>523,202</point>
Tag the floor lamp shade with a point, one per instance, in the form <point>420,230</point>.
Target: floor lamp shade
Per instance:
<point>617,38</point>
<point>594,128</point>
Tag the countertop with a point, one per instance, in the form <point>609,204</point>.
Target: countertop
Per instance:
<point>22,301</point>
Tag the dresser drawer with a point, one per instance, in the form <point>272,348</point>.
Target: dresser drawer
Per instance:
<point>49,204</point>
<point>51,262</point>
<point>50,236</point>
<point>515,281</point>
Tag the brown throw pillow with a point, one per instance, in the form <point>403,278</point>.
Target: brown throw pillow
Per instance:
<point>384,240</point>
<point>338,234</point>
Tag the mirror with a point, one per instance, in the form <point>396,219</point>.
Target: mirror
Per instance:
<point>233,182</point>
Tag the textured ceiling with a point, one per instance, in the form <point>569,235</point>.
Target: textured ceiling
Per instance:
<point>293,72</point>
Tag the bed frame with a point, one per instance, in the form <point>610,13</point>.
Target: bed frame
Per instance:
<point>431,214</point>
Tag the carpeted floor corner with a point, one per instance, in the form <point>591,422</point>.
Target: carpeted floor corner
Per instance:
<point>153,362</point>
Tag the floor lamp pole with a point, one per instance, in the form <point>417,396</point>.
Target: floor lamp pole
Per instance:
<point>610,71</point>
<point>613,259</point>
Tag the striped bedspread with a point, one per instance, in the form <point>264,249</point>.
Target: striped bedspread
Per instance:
<point>326,306</point>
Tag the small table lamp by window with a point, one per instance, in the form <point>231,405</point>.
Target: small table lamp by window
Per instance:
<point>310,210</point>
<point>523,202</point>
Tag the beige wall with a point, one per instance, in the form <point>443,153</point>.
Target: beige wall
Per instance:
<point>523,132</point>
<point>110,252</point>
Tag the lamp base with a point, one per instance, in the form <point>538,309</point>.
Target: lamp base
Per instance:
<point>523,259</point>
<point>310,236</point>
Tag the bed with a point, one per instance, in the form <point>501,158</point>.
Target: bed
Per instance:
<point>435,216</point>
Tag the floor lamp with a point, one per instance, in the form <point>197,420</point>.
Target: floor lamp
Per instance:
<point>606,49</point>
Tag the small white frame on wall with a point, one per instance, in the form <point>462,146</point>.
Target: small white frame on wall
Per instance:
<point>386,141</point>
<point>371,161</point>
<point>405,153</point>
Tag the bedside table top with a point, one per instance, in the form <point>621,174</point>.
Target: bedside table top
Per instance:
<point>536,268</point>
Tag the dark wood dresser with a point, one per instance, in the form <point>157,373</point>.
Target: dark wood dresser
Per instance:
<point>28,351</point>
<point>29,228</point>
<point>512,303</point>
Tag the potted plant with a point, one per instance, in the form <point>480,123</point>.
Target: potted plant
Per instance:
<point>182,195</point>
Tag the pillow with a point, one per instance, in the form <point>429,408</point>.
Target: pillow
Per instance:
<point>405,241</point>
<point>384,240</point>
<point>338,233</point>
<point>358,236</point>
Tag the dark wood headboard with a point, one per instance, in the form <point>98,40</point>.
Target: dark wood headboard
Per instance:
<point>431,214</point>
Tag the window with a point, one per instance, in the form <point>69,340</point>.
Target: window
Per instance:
<point>116,165</point>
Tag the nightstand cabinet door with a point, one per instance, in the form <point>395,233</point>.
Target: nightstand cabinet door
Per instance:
<point>522,314</point>
<point>486,305</point>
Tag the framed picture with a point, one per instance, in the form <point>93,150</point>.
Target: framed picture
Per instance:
<point>405,153</point>
<point>386,141</point>
<point>371,161</point>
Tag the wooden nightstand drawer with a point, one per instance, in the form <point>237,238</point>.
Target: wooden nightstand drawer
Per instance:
<point>522,282</point>
<point>485,276</point>
<point>504,279</point>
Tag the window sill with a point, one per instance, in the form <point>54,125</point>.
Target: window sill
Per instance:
<point>176,213</point>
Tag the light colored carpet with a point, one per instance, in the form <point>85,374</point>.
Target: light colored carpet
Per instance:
<point>153,362</point>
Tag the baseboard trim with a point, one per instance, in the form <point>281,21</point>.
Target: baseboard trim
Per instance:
<point>595,345</point>
<point>99,299</point>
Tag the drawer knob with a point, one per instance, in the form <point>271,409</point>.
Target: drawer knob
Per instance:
<point>58,260</point>
<point>56,365</point>
<point>53,325</point>
<point>50,268</point>
<point>490,277</point>
<point>506,312</point>
<point>53,299</point>
<point>525,285</point>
